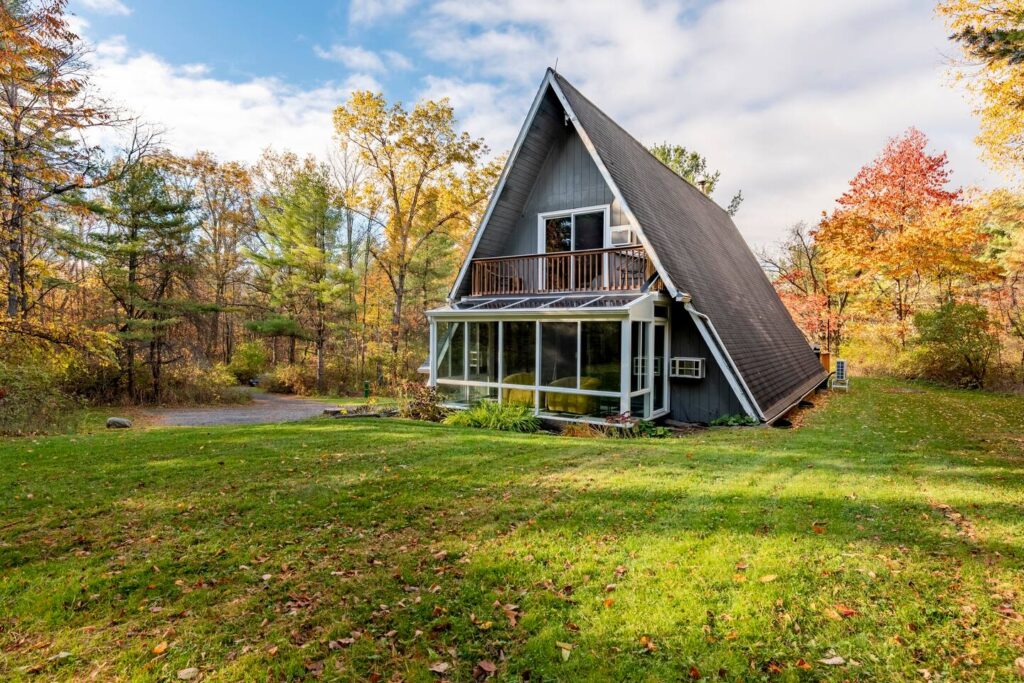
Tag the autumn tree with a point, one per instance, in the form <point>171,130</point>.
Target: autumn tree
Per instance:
<point>990,34</point>
<point>1001,216</point>
<point>225,220</point>
<point>693,167</point>
<point>813,292</point>
<point>432,178</point>
<point>45,108</point>
<point>889,230</point>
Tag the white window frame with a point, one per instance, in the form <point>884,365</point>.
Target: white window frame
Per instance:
<point>543,217</point>
<point>537,387</point>
<point>675,367</point>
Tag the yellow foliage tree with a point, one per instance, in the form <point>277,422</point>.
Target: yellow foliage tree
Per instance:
<point>991,37</point>
<point>424,179</point>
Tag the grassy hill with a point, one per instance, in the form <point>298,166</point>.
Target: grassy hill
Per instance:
<point>880,539</point>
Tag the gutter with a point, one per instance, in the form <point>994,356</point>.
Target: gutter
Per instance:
<point>685,300</point>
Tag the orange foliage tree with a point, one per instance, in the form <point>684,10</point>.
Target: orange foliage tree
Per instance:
<point>898,228</point>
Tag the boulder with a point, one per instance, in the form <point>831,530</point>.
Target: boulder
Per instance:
<point>118,423</point>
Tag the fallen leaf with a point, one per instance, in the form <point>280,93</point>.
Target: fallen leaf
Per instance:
<point>485,667</point>
<point>1019,665</point>
<point>440,667</point>
<point>802,664</point>
<point>160,648</point>
<point>774,668</point>
<point>833,661</point>
<point>739,578</point>
<point>608,602</point>
<point>620,570</point>
<point>732,635</point>
<point>694,673</point>
<point>768,578</point>
<point>188,674</point>
<point>742,566</point>
<point>272,651</point>
<point>846,611</point>
<point>648,643</point>
<point>565,648</point>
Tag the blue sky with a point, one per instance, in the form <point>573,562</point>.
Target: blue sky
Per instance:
<point>787,98</point>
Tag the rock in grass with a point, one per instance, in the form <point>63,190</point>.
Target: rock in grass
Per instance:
<point>118,423</point>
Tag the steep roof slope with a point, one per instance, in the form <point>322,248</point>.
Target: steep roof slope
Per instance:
<point>705,256</point>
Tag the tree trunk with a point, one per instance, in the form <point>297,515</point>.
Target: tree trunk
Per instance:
<point>396,314</point>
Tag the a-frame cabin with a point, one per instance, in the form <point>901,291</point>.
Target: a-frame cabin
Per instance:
<point>601,283</point>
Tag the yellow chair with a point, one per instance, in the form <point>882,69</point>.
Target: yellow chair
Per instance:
<point>520,396</point>
<point>574,404</point>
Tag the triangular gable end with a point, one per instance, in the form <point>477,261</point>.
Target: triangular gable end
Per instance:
<point>550,85</point>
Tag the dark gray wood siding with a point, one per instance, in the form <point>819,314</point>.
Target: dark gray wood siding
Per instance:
<point>569,179</point>
<point>697,400</point>
<point>553,171</point>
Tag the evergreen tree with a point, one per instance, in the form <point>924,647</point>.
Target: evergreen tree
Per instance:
<point>142,255</point>
<point>305,256</point>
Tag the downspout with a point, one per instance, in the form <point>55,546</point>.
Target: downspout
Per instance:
<point>748,396</point>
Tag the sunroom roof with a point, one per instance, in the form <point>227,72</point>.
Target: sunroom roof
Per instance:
<point>590,302</point>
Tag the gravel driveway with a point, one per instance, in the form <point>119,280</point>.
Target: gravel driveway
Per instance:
<point>264,408</point>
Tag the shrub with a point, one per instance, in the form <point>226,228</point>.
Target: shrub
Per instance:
<point>248,361</point>
<point>32,401</point>
<point>625,426</point>
<point>288,379</point>
<point>583,430</point>
<point>417,401</point>
<point>738,420</point>
<point>507,417</point>
<point>955,344</point>
<point>190,384</point>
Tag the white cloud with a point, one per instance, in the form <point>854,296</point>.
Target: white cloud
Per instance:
<point>360,59</point>
<point>369,11</point>
<point>235,120</point>
<point>352,57</point>
<point>787,98</point>
<point>106,7</point>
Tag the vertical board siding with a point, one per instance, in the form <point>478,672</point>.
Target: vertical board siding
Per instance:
<point>697,400</point>
<point>569,179</point>
<point>553,171</point>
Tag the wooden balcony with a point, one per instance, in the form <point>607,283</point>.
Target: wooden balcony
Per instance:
<point>617,269</point>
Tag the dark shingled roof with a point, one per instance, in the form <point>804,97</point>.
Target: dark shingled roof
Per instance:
<point>705,256</point>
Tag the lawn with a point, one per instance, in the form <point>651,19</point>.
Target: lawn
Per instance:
<point>881,539</point>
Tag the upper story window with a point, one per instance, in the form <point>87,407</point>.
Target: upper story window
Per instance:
<point>574,230</point>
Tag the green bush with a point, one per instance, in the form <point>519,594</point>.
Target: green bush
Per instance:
<point>248,361</point>
<point>288,379</point>
<point>190,384</point>
<point>955,345</point>
<point>33,402</point>
<point>739,420</point>
<point>507,417</point>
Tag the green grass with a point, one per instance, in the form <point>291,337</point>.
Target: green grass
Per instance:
<point>247,550</point>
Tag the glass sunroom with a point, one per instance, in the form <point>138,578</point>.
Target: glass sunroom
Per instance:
<point>574,357</point>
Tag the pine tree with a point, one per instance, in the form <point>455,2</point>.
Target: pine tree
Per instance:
<point>142,255</point>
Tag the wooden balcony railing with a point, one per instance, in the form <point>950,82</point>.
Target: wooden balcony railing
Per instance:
<point>592,270</point>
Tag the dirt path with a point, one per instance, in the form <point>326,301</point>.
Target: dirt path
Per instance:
<point>264,408</point>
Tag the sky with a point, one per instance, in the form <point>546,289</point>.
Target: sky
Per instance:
<point>788,99</point>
